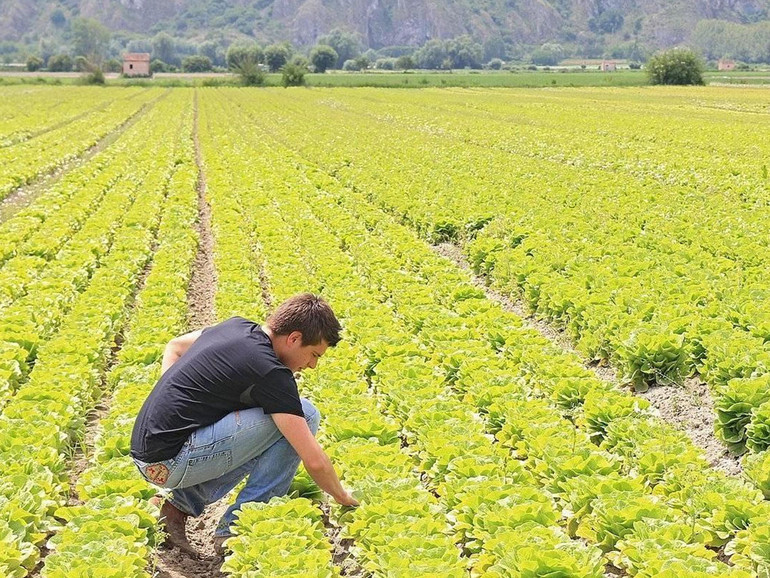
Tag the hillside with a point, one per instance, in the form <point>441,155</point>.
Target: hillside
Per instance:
<point>380,23</point>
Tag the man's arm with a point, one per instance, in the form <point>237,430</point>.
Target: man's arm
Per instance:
<point>177,347</point>
<point>295,429</point>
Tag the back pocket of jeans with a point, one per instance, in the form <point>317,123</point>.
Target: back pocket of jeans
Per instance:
<point>207,467</point>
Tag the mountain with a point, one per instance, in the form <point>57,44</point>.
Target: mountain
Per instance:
<point>381,23</point>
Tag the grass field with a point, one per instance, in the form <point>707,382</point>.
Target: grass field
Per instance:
<point>410,79</point>
<point>556,355</point>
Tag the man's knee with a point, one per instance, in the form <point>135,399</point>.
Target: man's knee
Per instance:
<point>312,415</point>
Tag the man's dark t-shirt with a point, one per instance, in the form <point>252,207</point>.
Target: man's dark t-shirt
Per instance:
<point>231,366</point>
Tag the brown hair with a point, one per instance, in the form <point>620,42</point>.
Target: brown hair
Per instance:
<point>310,315</point>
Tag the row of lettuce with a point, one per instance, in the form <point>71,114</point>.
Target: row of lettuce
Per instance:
<point>63,330</point>
<point>654,266</point>
<point>50,249</point>
<point>59,132</point>
<point>525,449</point>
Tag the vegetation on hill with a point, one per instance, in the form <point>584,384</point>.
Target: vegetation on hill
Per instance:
<point>453,33</point>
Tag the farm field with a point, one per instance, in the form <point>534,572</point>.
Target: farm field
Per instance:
<point>519,273</point>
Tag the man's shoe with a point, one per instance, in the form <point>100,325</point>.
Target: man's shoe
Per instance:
<point>219,545</point>
<point>174,521</point>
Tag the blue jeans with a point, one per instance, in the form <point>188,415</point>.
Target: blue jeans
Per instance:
<point>217,457</point>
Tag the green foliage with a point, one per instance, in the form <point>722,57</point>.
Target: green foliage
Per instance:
<point>249,70</point>
<point>675,66</point>
<point>60,63</point>
<point>548,54</point>
<point>90,38</point>
<point>405,62</point>
<point>34,63</point>
<point>293,75</point>
<point>346,44</point>
<point>323,57</point>
<point>277,56</point>
<point>239,52</point>
<point>734,407</point>
<point>196,64</point>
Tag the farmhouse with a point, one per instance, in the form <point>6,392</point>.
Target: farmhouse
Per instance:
<point>136,64</point>
<point>726,64</point>
<point>608,66</point>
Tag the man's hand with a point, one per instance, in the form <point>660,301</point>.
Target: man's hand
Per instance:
<point>295,429</point>
<point>177,347</point>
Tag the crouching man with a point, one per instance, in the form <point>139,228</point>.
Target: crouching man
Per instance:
<point>227,406</point>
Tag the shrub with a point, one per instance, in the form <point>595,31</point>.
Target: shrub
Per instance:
<point>34,63</point>
<point>196,64</point>
<point>405,62</point>
<point>495,64</point>
<point>293,75</point>
<point>350,66</point>
<point>60,63</point>
<point>676,66</point>
<point>323,57</point>
<point>249,70</point>
<point>158,65</point>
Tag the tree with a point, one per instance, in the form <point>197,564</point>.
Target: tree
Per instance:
<point>431,55</point>
<point>90,39</point>
<point>323,57</point>
<point>276,56</point>
<point>163,48</point>
<point>463,52</point>
<point>495,64</point>
<point>405,62</point>
<point>548,54</point>
<point>675,66</point>
<point>81,64</point>
<point>238,52</point>
<point>346,44</point>
<point>211,50</point>
<point>196,64</point>
<point>158,65</point>
<point>34,63</point>
<point>293,74</point>
<point>60,63</point>
<point>58,18</point>
<point>249,70</point>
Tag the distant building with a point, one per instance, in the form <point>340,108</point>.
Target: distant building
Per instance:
<point>608,66</point>
<point>136,64</point>
<point>726,64</point>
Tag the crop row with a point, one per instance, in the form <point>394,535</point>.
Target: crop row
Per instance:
<point>25,161</point>
<point>601,410</point>
<point>55,262</point>
<point>649,273</point>
<point>45,419</point>
<point>26,114</point>
<point>111,532</point>
<point>285,536</point>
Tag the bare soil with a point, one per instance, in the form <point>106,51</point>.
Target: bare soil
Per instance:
<point>341,555</point>
<point>688,408</point>
<point>173,563</point>
<point>200,295</point>
<point>25,195</point>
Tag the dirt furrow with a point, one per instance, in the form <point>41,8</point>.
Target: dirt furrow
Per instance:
<point>688,408</point>
<point>203,283</point>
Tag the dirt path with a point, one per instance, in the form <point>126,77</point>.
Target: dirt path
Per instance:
<point>203,284</point>
<point>688,408</point>
<point>172,562</point>
<point>25,195</point>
